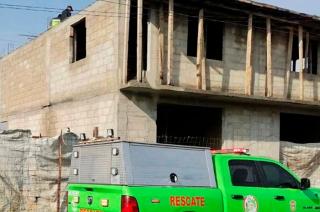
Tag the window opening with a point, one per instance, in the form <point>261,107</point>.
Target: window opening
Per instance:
<point>310,64</point>
<point>132,49</point>
<point>79,40</point>
<point>213,32</point>
<point>313,58</point>
<point>189,125</point>
<point>214,40</point>
<point>192,36</point>
<point>299,128</point>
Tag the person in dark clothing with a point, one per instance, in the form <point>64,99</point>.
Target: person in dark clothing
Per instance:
<point>65,13</point>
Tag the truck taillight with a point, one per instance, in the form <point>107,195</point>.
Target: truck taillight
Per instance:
<point>129,204</point>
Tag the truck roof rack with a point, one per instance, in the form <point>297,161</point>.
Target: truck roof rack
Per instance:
<point>241,151</point>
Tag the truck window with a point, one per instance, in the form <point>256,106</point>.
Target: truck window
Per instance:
<point>275,176</point>
<point>244,173</point>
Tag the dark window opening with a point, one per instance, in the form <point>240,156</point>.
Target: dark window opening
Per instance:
<point>295,54</point>
<point>313,58</point>
<point>188,125</point>
<point>311,62</point>
<point>276,177</point>
<point>192,36</point>
<point>244,173</point>
<point>299,128</point>
<point>213,38</point>
<point>79,40</point>
<point>132,49</point>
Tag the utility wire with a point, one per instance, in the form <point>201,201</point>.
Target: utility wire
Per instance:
<point>230,20</point>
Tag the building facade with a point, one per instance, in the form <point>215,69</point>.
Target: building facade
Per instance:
<point>222,74</point>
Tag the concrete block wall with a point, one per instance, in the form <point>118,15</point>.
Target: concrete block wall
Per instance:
<point>24,79</point>
<point>43,90</point>
<point>228,75</point>
<point>81,116</point>
<point>257,129</point>
<point>137,118</point>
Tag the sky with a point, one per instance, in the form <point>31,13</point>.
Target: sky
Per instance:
<point>17,23</point>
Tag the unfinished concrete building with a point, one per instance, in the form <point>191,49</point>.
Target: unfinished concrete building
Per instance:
<point>232,73</point>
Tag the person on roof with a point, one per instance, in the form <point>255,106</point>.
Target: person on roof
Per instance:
<point>65,13</point>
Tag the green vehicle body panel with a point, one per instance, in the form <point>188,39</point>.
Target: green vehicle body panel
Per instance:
<point>144,196</point>
<point>159,198</point>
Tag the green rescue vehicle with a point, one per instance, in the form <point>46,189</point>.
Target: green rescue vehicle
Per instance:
<point>135,177</point>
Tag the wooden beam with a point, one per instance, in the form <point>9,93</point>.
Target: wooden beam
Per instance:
<point>161,44</point>
<point>170,41</point>
<point>288,65</point>
<point>269,60</point>
<point>248,85</point>
<point>306,53</point>
<point>139,40</point>
<point>204,76</point>
<point>126,42</point>
<point>301,76</point>
<point>200,50</point>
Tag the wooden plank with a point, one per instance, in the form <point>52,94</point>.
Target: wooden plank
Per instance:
<point>200,47</point>
<point>269,60</point>
<point>204,76</point>
<point>161,45</point>
<point>306,53</point>
<point>288,65</point>
<point>248,85</point>
<point>301,76</point>
<point>139,40</point>
<point>170,41</point>
<point>126,42</point>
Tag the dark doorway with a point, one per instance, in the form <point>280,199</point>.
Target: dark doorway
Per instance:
<point>188,125</point>
<point>299,128</point>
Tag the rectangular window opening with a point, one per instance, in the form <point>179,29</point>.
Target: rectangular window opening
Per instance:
<point>189,125</point>
<point>313,57</point>
<point>214,40</point>
<point>299,128</point>
<point>132,47</point>
<point>310,63</point>
<point>79,40</point>
<point>213,33</point>
<point>192,36</point>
